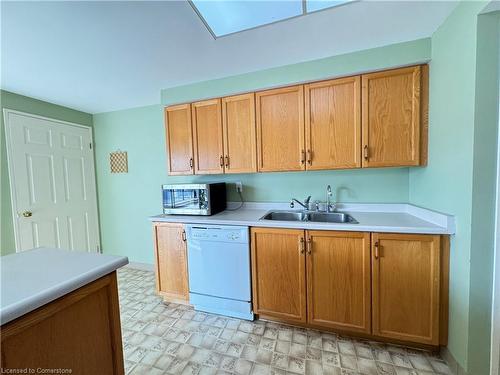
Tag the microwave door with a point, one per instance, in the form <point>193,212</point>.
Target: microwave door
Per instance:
<point>186,198</point>
<point>168,199</point>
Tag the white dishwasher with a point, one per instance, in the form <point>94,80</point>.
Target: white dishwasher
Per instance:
<point>219,269</point>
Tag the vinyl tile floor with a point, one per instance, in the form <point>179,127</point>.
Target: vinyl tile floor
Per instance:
<point>167,338</point>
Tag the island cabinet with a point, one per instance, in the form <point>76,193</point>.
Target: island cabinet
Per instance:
<point>179,139</point>
<point>280,129</point>
<point>78,333</point>
<point>207,137</point>
<point>333,124</point>
<point>394,107</point>
<point>386,286</point>
<point>170,249</point>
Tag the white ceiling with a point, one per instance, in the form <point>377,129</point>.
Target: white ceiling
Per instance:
<point>104,56</point>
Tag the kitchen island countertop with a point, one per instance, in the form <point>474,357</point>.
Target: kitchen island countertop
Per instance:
<point>33,278</point>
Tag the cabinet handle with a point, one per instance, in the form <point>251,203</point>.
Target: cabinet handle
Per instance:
<point>184,235</point>
<point>227,161</point>
<point>302,157</point>
<point>365,152</point>
<point>222,161</point>
<point>377,250</point>
<point>302,245</point>
<point>191,163</point>
<point>309,157</point>
<point>309,246</point>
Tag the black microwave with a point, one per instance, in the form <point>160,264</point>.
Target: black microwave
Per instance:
<point>194,199</point>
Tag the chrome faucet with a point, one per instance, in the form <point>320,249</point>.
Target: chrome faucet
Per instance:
<point>305,204</point>
<point>330,207</point>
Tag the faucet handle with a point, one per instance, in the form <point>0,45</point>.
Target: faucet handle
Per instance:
<point>307,200</point>
<point>316,205</point>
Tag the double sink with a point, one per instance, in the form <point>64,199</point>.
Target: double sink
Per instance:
<point>310,216</point>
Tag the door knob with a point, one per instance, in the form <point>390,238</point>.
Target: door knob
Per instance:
<point>27,213</point>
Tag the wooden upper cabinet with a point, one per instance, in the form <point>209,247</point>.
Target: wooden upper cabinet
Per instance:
<point>179,139</point>
<point>394,117</point>
<point>240,147</point>
<point>171,261</point>
<point>405,287</point>
<point>339,280</point>
<point>207,137</point>
<point>333,123</point>
<point>278,273</point>
<point>280,129</point>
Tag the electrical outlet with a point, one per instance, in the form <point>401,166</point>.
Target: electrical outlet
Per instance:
<point>239,187</point>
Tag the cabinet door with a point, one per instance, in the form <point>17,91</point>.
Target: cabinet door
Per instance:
<point>338,280</point>
<point>171,261</point>
<point>280,129</point>
<point>333,124</point>
<point>391,117</point>
<point>240,147</point>
<point>179,139</point>
<point>405,288</point>
<point>278,273</point>
<point>207,137</point>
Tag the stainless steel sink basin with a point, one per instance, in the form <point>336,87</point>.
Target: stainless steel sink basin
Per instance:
<point>319,217</point>
<point>285,216</point>
<point>333,217</point>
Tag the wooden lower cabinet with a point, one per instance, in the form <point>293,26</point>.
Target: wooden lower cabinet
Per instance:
<point>79,332</point>
<point>171,261</point>
<point>278,273</point>
<point>338,280</point>
<point>390,286</point>
<point>406,287</point>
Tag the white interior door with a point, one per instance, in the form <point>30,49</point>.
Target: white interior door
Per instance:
<point>52,179</point>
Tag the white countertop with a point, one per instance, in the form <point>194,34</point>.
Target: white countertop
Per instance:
<point>33,278</point>
<point>391,218</point>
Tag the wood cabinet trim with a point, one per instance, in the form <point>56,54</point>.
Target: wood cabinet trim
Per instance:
<point>444,291</point>
<point>424,116</point>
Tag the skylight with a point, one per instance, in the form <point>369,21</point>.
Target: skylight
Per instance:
<point>225,17</point>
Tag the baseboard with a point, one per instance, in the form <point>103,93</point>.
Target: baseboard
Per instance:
<point>141,266</point>
<point>455,367</point>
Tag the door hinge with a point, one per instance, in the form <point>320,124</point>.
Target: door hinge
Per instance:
<point>90,145</point>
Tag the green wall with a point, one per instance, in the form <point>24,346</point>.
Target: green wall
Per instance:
<point>460,177</point>
<point>483,193</point>
<point>125,201</point>
<point>341,65</point>
<point>10,100</point>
